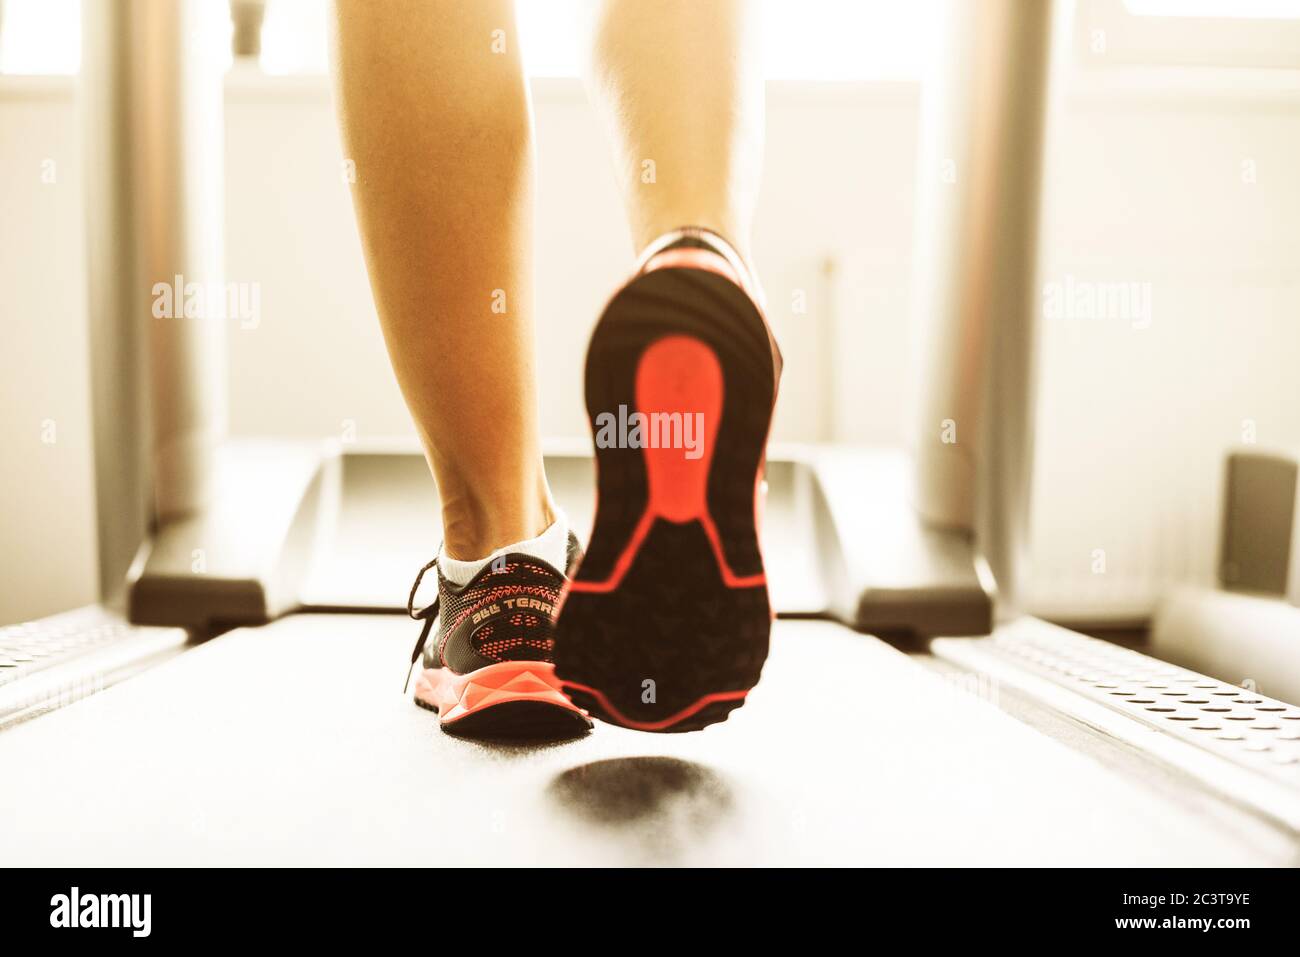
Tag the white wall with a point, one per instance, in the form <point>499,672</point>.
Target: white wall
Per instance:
<point>47,518</point>
<point>1145,184</point>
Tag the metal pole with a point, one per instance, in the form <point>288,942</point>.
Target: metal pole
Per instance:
<point>118,365</point>
<point>975,292</point>
<point>151,105</point>
<point>179,142</point>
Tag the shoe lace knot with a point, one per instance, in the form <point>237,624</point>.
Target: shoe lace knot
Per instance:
<point>428,614</point>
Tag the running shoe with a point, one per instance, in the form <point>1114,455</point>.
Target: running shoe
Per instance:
<point>488,671</point>
<point>665,624</point>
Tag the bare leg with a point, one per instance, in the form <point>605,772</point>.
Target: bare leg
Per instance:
<point>680,87</point>
<point>435,114</point>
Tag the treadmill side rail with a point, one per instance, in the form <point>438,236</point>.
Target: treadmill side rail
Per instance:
<point>240,560</point>
<point>1239,744</point>
<point>296,526</point>
<point>55,661</point>
<point>899,575</point>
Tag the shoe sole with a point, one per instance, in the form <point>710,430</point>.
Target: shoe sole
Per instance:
<point>512,699</point>
<point>665,625</point>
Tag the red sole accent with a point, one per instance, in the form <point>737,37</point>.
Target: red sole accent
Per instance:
<point>457,697</point>
<point>677,377</point>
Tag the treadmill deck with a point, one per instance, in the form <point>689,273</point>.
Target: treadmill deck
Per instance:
<point>292,744</point>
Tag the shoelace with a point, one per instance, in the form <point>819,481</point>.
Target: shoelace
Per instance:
<point>427,614</point>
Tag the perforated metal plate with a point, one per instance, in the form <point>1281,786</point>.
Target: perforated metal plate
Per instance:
<point>56,660</point>
<point>33,645</point>
<point>1248,729</point>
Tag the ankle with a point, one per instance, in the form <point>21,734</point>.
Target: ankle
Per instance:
<point>727,228</point>
<point>551,546</point>
<point>677,246</point>
<point>473,528</point>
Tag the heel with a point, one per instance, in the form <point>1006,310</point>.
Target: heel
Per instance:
<point>665,626</point>
<point>513,695</point>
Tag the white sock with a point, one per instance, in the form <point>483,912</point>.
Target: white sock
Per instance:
<point>552,547</point>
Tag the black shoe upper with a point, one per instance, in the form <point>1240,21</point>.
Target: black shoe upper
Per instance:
<point>505,613</point>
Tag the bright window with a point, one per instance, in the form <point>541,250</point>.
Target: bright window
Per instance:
<point>40,36</point>
<point>804,40</point>
<point>808,40</point>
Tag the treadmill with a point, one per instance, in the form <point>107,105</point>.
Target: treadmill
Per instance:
<point>234,698</point>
